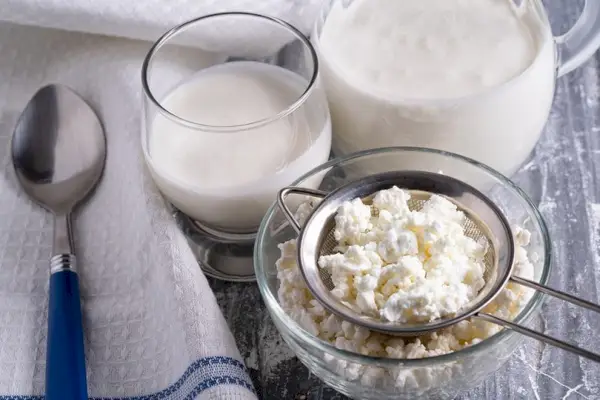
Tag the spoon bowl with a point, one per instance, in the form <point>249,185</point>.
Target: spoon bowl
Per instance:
<point>58,149</point>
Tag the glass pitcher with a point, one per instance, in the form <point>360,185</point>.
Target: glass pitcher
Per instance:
<point>498,126</point>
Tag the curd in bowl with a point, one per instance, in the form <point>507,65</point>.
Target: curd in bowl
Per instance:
<point>404,368</point>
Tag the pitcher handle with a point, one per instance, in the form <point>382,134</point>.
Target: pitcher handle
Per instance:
<point>581,41</point>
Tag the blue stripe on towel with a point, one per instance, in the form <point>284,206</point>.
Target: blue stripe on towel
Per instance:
<point>203,374</point>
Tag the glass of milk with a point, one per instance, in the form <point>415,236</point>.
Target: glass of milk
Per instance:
<point>233,112</point>
<point>473,77</point>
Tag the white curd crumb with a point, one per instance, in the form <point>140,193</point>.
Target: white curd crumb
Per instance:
<point>394,201</point>
<point>352,221</point>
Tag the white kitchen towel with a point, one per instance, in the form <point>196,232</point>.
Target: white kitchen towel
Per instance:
<point>145,19</point>
<point>153,329</point>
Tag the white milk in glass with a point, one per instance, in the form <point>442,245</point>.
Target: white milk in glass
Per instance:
<point>474,77</point>
<point>228,179</point>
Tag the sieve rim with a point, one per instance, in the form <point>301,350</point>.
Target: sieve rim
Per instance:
<point>307,256</point>
<point>291,330</point>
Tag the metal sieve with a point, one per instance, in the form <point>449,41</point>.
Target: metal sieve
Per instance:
<point>483,221</point>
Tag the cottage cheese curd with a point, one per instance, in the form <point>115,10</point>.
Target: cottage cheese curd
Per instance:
<point>297,301</point>
<point>401,265</point>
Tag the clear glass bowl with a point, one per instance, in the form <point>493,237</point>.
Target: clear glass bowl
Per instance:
<point>439,377</point>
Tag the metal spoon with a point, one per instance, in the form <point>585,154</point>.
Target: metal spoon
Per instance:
<point>58,152</point>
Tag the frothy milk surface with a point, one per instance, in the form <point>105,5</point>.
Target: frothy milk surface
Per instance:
<point>428,48</point>
<point>228,179</point>
<point>473,77</point>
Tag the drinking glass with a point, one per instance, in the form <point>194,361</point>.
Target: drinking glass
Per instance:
<point>206,184</point>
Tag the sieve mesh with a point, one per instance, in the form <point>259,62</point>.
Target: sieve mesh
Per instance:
<point>472,226</point>
<point>316,238</point>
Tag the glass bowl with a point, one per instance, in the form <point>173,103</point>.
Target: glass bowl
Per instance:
<point>367,377</point>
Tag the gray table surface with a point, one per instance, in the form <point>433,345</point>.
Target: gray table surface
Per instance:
<point>563,178</point>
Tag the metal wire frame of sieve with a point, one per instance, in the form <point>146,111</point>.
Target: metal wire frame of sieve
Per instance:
<point>483,220</point>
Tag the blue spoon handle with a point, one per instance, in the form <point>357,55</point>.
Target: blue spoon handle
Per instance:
<point>65,358</point>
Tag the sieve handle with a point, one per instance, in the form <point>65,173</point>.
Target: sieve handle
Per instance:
<point>282,195</point>
<point>557,293</point>
<point>539,336</point>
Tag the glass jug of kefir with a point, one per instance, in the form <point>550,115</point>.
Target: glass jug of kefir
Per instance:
<point>473,77</point>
